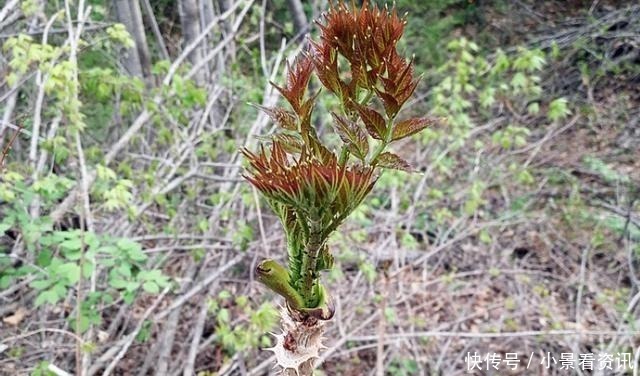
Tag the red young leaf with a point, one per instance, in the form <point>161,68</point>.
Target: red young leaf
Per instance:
<point>410,127</point>
<point>390,103</point>
<point>306,108</point>
<point>406,91</point>
<point>390,160</point>
<point>406,75</point>
<point>374,122</point>
<point>325,60</point>
<point>352,135</point>
<point>298,76</point>
<point>389,85</point>
<point>285,119</point>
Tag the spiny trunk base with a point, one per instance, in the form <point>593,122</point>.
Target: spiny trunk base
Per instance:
<point>299,345</point>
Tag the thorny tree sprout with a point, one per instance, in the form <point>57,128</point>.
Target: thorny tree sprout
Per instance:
<point>313,189</point>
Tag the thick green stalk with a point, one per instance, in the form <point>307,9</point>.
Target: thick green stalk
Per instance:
<point>309,262</point>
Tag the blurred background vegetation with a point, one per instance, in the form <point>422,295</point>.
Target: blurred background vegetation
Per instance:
<point>128,237</point>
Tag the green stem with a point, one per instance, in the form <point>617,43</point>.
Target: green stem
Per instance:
<point>377,152</point>
<point>383,143</point>
<point>366,99</point>
<point>344,155</point>
<point>309,262</point>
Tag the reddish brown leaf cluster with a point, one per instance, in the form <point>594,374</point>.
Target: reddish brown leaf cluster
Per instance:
<point>311,188</point>
<point>367,39</point>
<point>308,182</point>
<point>356,59</point>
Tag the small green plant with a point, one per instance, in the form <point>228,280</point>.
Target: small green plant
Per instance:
<point>313,189</point>
<point>63,258</point>
<point>242,336</point>
<point>403,367</point>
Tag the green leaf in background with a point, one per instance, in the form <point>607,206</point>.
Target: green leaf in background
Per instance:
<point>558,109</point>
<point>71,271</point>
<point>49,296</point>
<point>151,287</point>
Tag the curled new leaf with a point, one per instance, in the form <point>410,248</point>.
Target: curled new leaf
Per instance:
<point>276,277</point>
<point>410,127</point>
<point>352,135</point>
<point>325,259</point>
<point>390,160</point>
